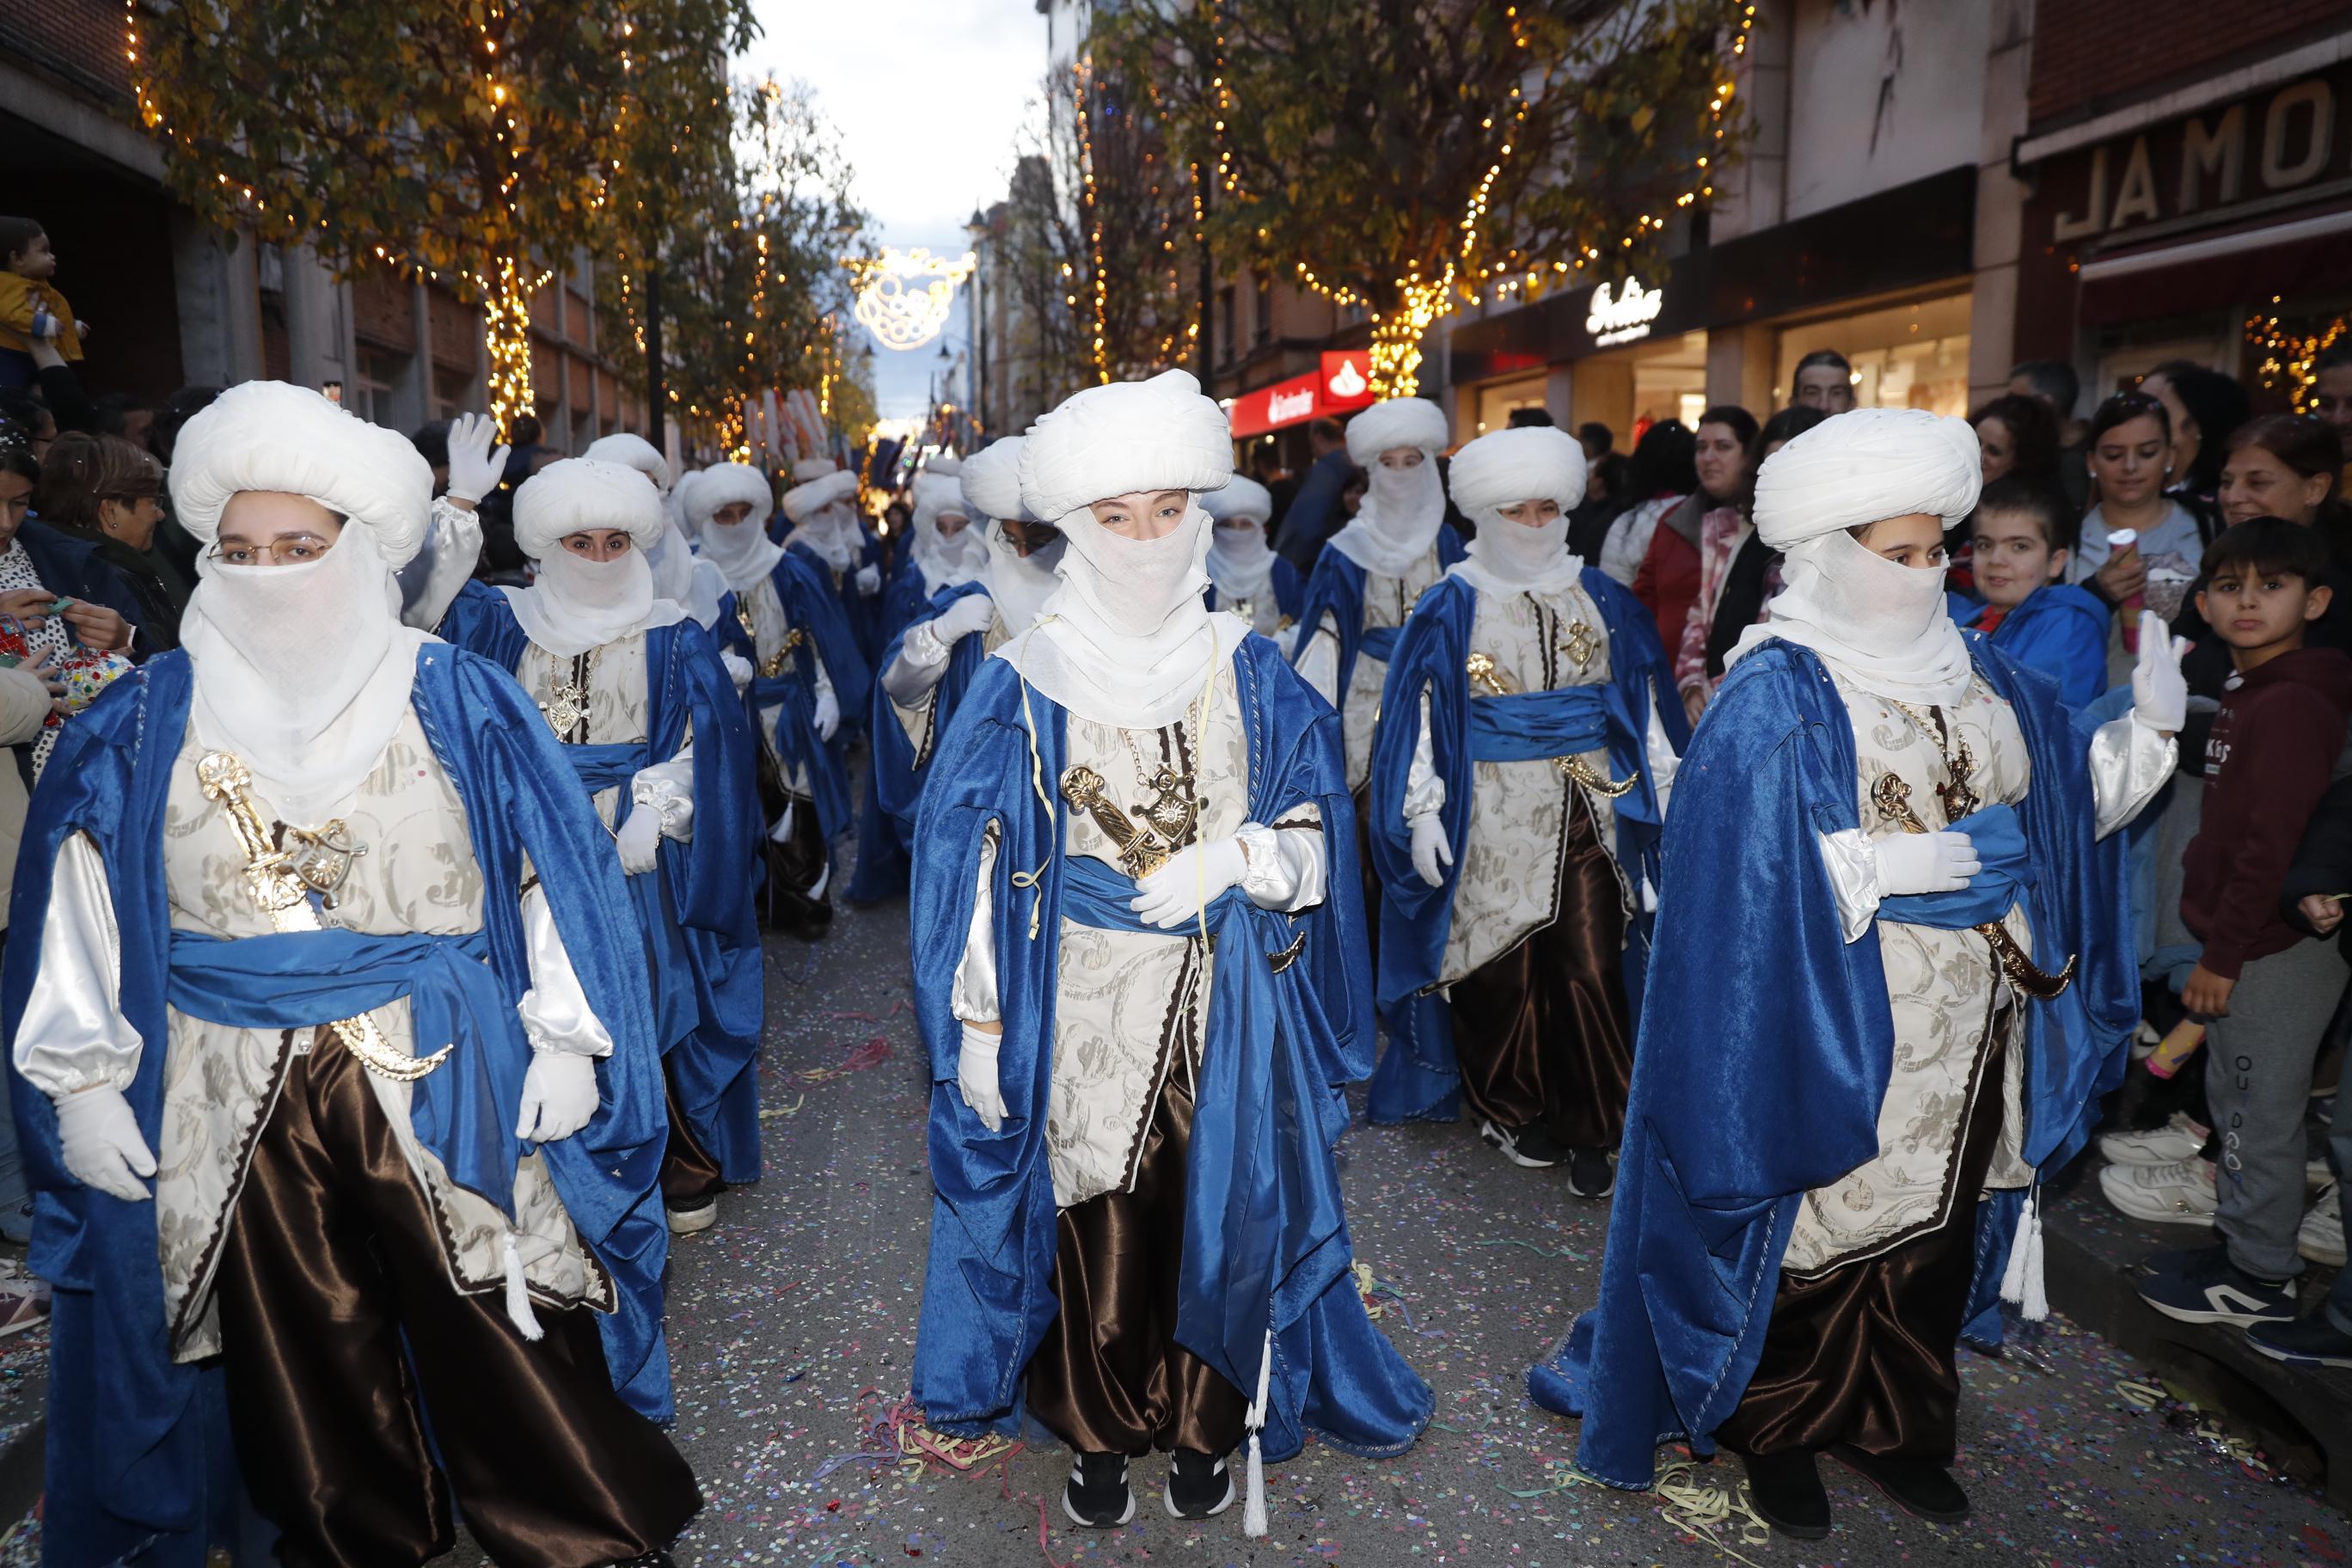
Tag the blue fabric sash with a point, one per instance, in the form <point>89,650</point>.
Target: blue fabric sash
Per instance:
<point>606,767</point>
<point>1531,726</point>
<point>2008,875</point>
<point>1377,642</point>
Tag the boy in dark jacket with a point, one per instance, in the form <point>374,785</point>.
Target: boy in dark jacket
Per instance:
<point>2267,990</point>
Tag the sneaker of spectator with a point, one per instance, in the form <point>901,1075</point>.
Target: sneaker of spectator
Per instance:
<point>2180,1193</point>
<point>2320,1237</point>
<point>2179,1139</point>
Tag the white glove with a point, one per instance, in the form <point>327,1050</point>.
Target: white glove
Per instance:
<point>639,840</point>
<point>827,717</point>
<point>869,580</point>
<point>2159,691</point>
<point>1174,895</point>
<point>475,468</point>
<point>739,670</point>
<point>1924,863</point>
<point>976,1076</point>
<point>559,1096</point>
<point>102,1143</point>
<point>973,613</point>
<point>1431,853</point>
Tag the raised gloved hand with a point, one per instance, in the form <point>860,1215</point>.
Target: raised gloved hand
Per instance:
<point>973,613</point>
<point>827,717</point>
<point>639,840</point>
<point>739,670</point>
<point>2159,691</point>
<point>1924,863</point>
<point>559,1096</point>
<point>976,1076</point>
<point>102,1143</point>
<point>1431,853</point>
<point>869,580</point>
<point>475,468</point>
<point>1175,894</point>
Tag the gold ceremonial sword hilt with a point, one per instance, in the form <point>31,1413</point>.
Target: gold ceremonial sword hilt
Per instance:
<point>1486,673</point>
<point>282,881</point>
<point>1892,796</point>
<point>1140,851</point>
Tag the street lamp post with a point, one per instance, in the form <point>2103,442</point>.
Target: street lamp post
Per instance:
<point>978,232</point>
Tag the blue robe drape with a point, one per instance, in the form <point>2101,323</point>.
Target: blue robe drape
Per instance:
<point>2062,631</point>
<point>138,1447</point>
<point>1418,1080</point>
<point>1337,588</point>
<point>882,863</point>
<point>900,765</point>
<point>696,916</point>
<point>861,612</point>
<point>805,591</point>
<point>1289,590</point>
<point>1767,1046</point>
<point>1266,1244</point>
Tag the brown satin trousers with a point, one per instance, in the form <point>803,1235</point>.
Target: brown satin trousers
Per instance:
<point>344,1345</point>
<point>687,1170</point>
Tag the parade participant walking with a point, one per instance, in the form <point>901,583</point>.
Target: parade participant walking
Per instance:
<point>1891,976</point>
<point>780,615</point>
<point>1515,825</point>
<point>1246,578</point>
<point>637,694</point>
<point>693,584</point>
<point>1137,1235</point>
<point>821,507</point>
<point>387,1063</point>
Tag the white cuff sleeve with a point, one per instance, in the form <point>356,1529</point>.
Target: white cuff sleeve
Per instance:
<point>975,976</point>
<point>452,547</point>
<point>2129,763</point>
<point>1425,792</point>
<point>73,1035</point>
<point>668,788</point>
<point>1320,666</point>
<point>555,1012</point>
<point>921,665</point>
<point>1287,864</point>
<point>823,679</point>
<point>1852,862</point>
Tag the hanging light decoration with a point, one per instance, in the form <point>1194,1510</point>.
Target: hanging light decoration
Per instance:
<point>904,297</point>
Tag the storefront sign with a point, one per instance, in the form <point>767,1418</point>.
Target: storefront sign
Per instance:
<point>1339,385</point>
<point>1626,315</point>
<point>1346,384</point>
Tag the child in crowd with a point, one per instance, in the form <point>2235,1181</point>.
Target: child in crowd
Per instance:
<point>2024,532</point>
<point>30,306</point>
<point>2267,992</point>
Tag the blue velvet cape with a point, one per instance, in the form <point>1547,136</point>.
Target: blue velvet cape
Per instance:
<point>1767,1046</point>
<point>861,612</point>
<point>1418,1080</point>
<point>695,912</point>
<point>1266,1245</point>
<point>901,764</point>
<point>1289,589</point>
<point>139,1452</point>
<point>1336,589</point>
<point>882,828</point>
<point>2062,631</point>
<point>805,591</point>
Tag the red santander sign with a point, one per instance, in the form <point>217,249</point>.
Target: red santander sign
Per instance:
<point>1339,385</point>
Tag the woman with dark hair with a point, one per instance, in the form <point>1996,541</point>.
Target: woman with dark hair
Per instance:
<point>103,489</point>
<point>1663,469</point>
<point>1667,582</point>
<point>2204,407</point>
<point>1737,572</point>
<point>2017,435</point>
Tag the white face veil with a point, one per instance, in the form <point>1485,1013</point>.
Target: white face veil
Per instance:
<point>1240,562</point>
<point>945,560</point>
<point>825,519</point>
<point>576,603</point>
<point>1020,585</point>
<point>1504,468</point>
<point>742,551</point>
<point>1403,508</point>
<point>1881,627</point>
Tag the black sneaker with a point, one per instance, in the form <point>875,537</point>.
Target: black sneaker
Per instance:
<point>1591,1173</point>
<point>1200,1486</point>
<point>1097,1496</point>
<point>2207,1288</point>
<point>1528,1146</point>
<point>1786,1490</point>
<point>2308,1342</point>
<point>689,1216</point>
<point>1920,1488</point>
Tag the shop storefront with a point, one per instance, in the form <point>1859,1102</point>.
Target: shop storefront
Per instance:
<point>2213,225</point>
<point>1277,416</point>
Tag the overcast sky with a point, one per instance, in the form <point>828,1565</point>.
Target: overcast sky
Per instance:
<point>927,96</point>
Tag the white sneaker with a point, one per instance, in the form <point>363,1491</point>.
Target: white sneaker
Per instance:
<point>2178,1194</point>
<point>2317,1174</point>
<point>2320,1237</point>
<point>2177,1140</point>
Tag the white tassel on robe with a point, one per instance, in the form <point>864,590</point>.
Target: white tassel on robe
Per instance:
<point>2021,1283</point>
<point>1254,1514</point>
<point>518,1311</point>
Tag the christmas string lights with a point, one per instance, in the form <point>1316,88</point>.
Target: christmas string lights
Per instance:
<point>2288,353</point>
<point>1081,71</point>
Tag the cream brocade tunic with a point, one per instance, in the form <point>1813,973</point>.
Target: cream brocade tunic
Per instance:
<point>616,681</point>
<point>768,626</point>
<point>1944,989</point>
<point>220,1083</point>
<point>1386,602</point>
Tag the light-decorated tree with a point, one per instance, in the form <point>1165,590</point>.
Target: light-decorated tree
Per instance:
<point>1407,155</point>
<point>473,142</point>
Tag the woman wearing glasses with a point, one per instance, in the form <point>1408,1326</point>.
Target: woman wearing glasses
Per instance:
<point>333,1064</point>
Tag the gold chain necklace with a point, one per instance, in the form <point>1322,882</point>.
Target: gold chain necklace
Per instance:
<point>1174,806</point>
<point>1958,797</point>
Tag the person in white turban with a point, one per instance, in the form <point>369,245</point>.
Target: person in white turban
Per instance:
<point>784,617</point>
<point>1369,576</point>
<point>1130,781</point>
<point>331,1044</point>
<point>695,585</point>
<point>1245,577</point>
<point>1893,971</point>
<point>821,507</point>
<point>1514,819</point>
<point>647,709</point>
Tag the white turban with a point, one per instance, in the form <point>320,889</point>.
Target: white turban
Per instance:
<point>632,451</point>
<point>1242,496</point>
<point>577,494</point>
<point>808,469</point>
<point>944,561</point>
<point>273,435</point>
<point>742,553</point>
<point>992,480</point>
<point>945,467</point>
<point>1124,438</point>
<point>1865,466</point>
<point>1395,422</point>
<point>832,488</point>
<point>714,489</point>
<point>1504,467</point>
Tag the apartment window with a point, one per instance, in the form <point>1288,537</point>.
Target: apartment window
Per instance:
<point>452,392</point>
<point>1225,324</point>
<point>373,399</point>
<point>1262,314</point>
